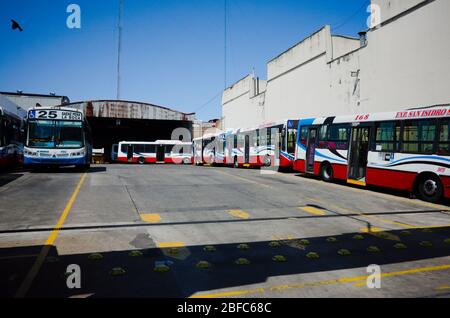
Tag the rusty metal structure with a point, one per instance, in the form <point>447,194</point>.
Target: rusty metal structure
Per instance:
<point>113,121</point>
<point>129,110</point>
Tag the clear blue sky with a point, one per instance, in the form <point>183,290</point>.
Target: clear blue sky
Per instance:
<point>173,50</point>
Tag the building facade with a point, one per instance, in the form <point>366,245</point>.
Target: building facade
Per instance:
<point>27,101</point>
<point>400,62</point>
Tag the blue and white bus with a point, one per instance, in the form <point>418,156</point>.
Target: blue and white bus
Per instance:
<point>57,136</point>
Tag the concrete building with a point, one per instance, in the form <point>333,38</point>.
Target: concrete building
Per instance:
<point>400,62</point>
<point>26,100</point>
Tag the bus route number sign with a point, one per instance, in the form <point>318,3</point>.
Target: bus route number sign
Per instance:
<point>54,114</point>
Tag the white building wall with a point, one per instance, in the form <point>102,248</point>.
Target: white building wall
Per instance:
<point>243,103</point>
<point>313,78</point>
<point>406,63</point>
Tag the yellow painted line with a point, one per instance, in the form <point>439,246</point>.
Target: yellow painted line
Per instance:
<point>151,218</point>
<point>373,193</point>
<point>170,244</point>
<point>444,287</point>
<point>26,284</point>
<point>336,207</point>
<point>312,210</point>
<point>356,182</point>
<point>343,280</point>
<point>377,232</point>
<point>239,214</point>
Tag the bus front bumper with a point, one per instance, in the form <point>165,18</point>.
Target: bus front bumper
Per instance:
<point>30,161</point>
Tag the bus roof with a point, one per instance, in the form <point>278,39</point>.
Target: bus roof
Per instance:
<point>419,113</point>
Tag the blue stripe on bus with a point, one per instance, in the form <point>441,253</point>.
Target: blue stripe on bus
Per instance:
<point>413,158</point>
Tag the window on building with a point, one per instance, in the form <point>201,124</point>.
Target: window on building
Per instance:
<point>387,136</point>
<point>419,136</point>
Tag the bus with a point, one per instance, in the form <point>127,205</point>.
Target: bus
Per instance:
<point>57,136</point>
<point>271,144</point>
<point>11,133</point>
<point>160,151</point>
<point>405,150</point>
<point>204,149</point>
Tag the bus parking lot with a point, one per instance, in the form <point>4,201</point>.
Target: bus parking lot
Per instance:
<point>187,231</point>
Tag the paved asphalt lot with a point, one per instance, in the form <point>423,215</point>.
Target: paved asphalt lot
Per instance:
<point>50,220</point>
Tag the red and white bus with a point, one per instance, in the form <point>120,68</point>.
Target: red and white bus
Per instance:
<point>12,120</point>
<point>160,151</point>
<point>405,150</point>
<point>272,144</point>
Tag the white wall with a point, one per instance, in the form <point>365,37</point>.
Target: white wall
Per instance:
<point>406,63</point>
<point>391,8</point>
<point>243,103</point>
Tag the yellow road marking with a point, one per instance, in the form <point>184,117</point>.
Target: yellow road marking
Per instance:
<point>373,193</point>
<point>444,287</point>
<point>313,210</point>
<point>26,284</point>
<point>377,232</point>
<point>170,244</point>
<point>343,280</point>
<point>151,218</point>
<point>333,206</point>
<point>239,214</point>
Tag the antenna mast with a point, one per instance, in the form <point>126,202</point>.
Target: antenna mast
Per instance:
<point>119,48</point>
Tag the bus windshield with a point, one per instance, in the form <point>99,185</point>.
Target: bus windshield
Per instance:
<point>55,134</point>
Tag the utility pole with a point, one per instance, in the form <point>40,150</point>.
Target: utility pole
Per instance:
<point>119,47</point>
<point>225,43</point>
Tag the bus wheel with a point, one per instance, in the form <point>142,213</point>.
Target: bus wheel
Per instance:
<point>141,160</point>
<point>326,172</point>
<point>267,161</point>
<point>236,163</point>
<point>430,188</point>
<point>186,161</point>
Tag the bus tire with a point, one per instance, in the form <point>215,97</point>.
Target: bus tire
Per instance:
<point>141,160</point>
<point>326,172</point>
<point>267,161</point>
<point>235,162</point>
<point>429,188</point>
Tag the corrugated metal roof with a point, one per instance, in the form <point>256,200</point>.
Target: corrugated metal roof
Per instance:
<point>129,110</point>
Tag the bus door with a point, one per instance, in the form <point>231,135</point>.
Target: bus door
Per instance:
<point>160,153</point>
<point>311,150</point>
<point>247,149</point>
<point>358,153</point>
<point>130,153</point>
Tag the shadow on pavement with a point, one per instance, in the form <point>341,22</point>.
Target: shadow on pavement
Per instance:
<point>6,178</point>
<point>184,279</point>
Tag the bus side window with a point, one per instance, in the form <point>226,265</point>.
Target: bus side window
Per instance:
<point>124,148</point>
<point>387,136</point>
<point>419,136</point>
<point>444,138</point>
<point>304,136</point>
